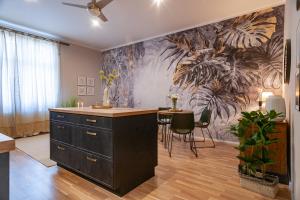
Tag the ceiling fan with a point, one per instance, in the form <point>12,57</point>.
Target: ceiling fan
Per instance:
<point>94,7</point>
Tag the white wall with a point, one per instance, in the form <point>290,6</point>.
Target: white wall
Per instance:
<point>292,18</point>
<point>79,61</point>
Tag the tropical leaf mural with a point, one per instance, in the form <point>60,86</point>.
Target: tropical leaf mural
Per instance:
<point>220,66</point>
<point>249,31</point>
<point>214,97</point>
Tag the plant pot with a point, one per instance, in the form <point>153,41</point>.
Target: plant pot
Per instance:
<point>267,187</point>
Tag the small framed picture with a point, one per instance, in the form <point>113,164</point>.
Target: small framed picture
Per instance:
<point>81,80</point>
<point>298,5</point>
<point>90,81</point>
<point>90,91</point>
<point>81,90</point>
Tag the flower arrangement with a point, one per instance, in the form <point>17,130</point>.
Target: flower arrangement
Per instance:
<point>174,98</point>
<point>108,79</point>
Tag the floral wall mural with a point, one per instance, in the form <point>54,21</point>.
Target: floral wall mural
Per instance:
<point>220,66</point>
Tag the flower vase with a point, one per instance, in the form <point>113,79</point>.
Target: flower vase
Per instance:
<point>174,104</point>
<point>106,101</point>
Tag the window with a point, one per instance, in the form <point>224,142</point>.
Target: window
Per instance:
<point>29,78</point>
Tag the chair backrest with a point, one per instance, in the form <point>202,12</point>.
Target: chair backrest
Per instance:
<point>183,123</point>
<point>205,117</point>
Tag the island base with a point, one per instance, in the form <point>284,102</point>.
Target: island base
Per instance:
<point>119,191</point>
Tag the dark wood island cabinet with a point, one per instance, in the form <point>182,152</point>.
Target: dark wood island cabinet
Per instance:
<point>116,148</point>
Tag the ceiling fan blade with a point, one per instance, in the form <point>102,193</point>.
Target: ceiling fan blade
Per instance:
<point>101,4</point>
<point>102,17</point>
<point>74,5</point>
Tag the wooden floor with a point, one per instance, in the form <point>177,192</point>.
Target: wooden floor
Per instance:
<point>212,176</point>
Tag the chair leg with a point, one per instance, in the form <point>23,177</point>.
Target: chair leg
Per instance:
<point>193,144</point>
<point>170,144</point>
<point>190,140</point>
<point>162,133</point>
<point>203,135</point>
<point>177,138</point>
<point>211,138</point>
<point>168,134</point>
<point>165,136</point>
<point>185,140</point>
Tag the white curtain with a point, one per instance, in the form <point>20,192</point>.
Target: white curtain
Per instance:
<point>29,78</point>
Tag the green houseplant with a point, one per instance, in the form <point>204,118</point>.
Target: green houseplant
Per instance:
<point>72,102</point>
<point>254,130</point>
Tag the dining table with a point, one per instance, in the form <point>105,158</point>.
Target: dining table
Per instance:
<point>172,112</point>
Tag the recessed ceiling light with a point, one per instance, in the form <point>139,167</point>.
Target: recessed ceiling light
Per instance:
<point>95,22</point>
<point>157,2</point>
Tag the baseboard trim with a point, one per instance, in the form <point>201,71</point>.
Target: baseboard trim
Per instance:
<point>218,140</point>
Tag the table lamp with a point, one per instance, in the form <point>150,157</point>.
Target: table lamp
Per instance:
<point>263,96</point>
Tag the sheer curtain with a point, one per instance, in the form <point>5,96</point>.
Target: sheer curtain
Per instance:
<point>29,83</point>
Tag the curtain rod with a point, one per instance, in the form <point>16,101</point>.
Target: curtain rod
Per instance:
<point>34,36</point>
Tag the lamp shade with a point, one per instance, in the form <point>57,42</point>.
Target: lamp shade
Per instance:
<point>265,95</point>
<point>276,103</point>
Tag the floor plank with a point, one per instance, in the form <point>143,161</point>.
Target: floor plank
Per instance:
<point>211,176</point>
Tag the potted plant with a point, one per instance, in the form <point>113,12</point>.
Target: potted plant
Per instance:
<point>72,102</point>
<point>108,81</point>
<point>253,131</point>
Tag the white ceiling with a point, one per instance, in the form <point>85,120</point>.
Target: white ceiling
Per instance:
<point>129,20</point>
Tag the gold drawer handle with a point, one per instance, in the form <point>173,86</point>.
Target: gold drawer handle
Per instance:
<point>60,116</point>
<point>91,159</point>
<point>60,148</point>
<point>91,120</point>
<point>91,133</point>
<point>60,127</point>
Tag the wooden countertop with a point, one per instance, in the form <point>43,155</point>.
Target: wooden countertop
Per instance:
<point>112,112</point>
<point>6,144</point>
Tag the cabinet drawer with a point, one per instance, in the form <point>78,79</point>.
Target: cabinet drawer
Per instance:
<point>95,140</point>
<point>64,117</point>
<point>61,132</point>
<point>95,121</point>
<point>97,168</point>
<point>64,155</point>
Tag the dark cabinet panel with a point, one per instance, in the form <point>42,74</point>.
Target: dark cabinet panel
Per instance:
<point>95,121</point>
<point>65,155</point>
<point>97,168</point>
<point>64,117</point>
<point>60,153</point>
<point>95,140</point>
<point>61,132</point>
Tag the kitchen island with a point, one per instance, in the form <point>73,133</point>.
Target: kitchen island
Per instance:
<point>116,148</point>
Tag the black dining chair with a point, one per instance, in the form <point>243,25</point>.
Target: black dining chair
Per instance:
<point>204,123</point>
<point>182,124</point>
<point>164,121</point>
